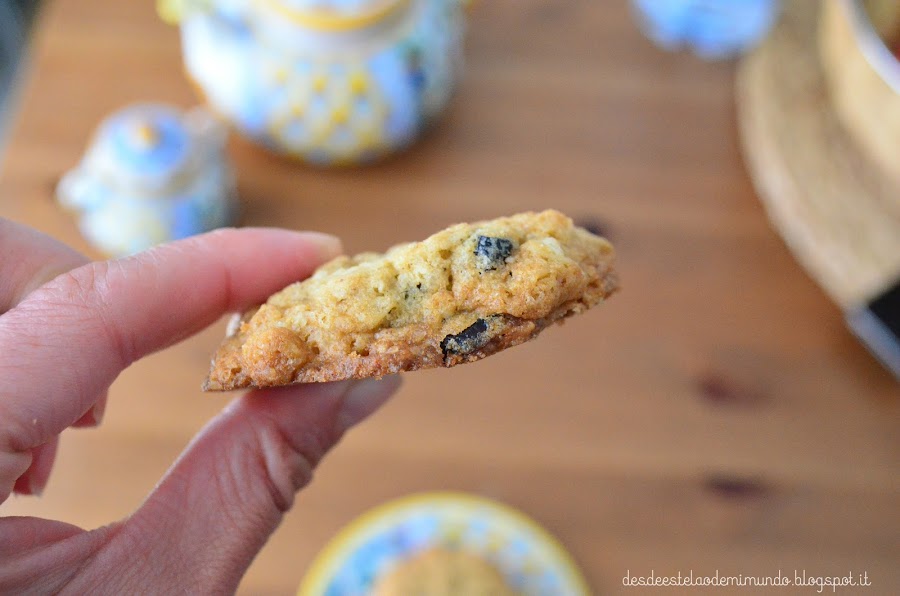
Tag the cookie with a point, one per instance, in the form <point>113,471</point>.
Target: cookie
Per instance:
<point>462,294</point>
<point>441,572</point>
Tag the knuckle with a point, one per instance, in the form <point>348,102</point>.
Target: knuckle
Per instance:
<point>77,284</point>
<point>84,296</point>
<point>286,463</point>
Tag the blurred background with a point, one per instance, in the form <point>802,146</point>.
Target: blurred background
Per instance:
<point>15,19</point>
<point>718,414</point>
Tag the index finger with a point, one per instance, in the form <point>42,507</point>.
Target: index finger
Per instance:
<point>68,340</point>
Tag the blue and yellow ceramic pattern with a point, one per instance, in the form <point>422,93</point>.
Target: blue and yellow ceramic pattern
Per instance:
<point>327,81</point>
<point>152,174</point>
<point>530,559</point>
<point>713,29</point>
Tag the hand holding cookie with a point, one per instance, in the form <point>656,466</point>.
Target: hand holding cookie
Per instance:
<point>69,327</point>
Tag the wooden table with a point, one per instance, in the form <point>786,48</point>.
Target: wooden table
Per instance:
<point>715,415</point>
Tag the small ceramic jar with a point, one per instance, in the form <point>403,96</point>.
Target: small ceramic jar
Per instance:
<point>150,175</point>
<point>327,81</point>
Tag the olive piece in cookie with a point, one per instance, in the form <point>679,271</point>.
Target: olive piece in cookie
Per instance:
<point>470,339</point>
<point>492,252</point>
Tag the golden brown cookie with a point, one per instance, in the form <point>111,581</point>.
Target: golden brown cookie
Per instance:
<point>440,572</point>
<point>462,294</point>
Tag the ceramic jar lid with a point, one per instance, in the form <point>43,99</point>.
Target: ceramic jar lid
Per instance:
<point>144,146</point>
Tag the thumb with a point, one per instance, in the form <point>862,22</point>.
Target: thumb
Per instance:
<point>214,510</point>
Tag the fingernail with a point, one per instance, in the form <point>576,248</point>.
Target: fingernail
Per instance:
<point>29,484</point>
<point>329,246</point>
<point>36,487</point>
<point>94,416</point>
<point>22,486</point>
<point>363,398</point>
<point>98,411</point>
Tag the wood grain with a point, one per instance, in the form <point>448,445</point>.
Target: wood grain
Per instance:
<point>715,414</point>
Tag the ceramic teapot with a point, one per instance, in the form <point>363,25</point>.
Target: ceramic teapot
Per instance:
<point>327,81</point>
<point>151,174</point>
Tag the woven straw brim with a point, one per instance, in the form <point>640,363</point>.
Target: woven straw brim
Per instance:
<point>837,211</point>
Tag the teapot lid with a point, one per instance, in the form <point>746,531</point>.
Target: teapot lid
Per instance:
<point>333,15</point>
